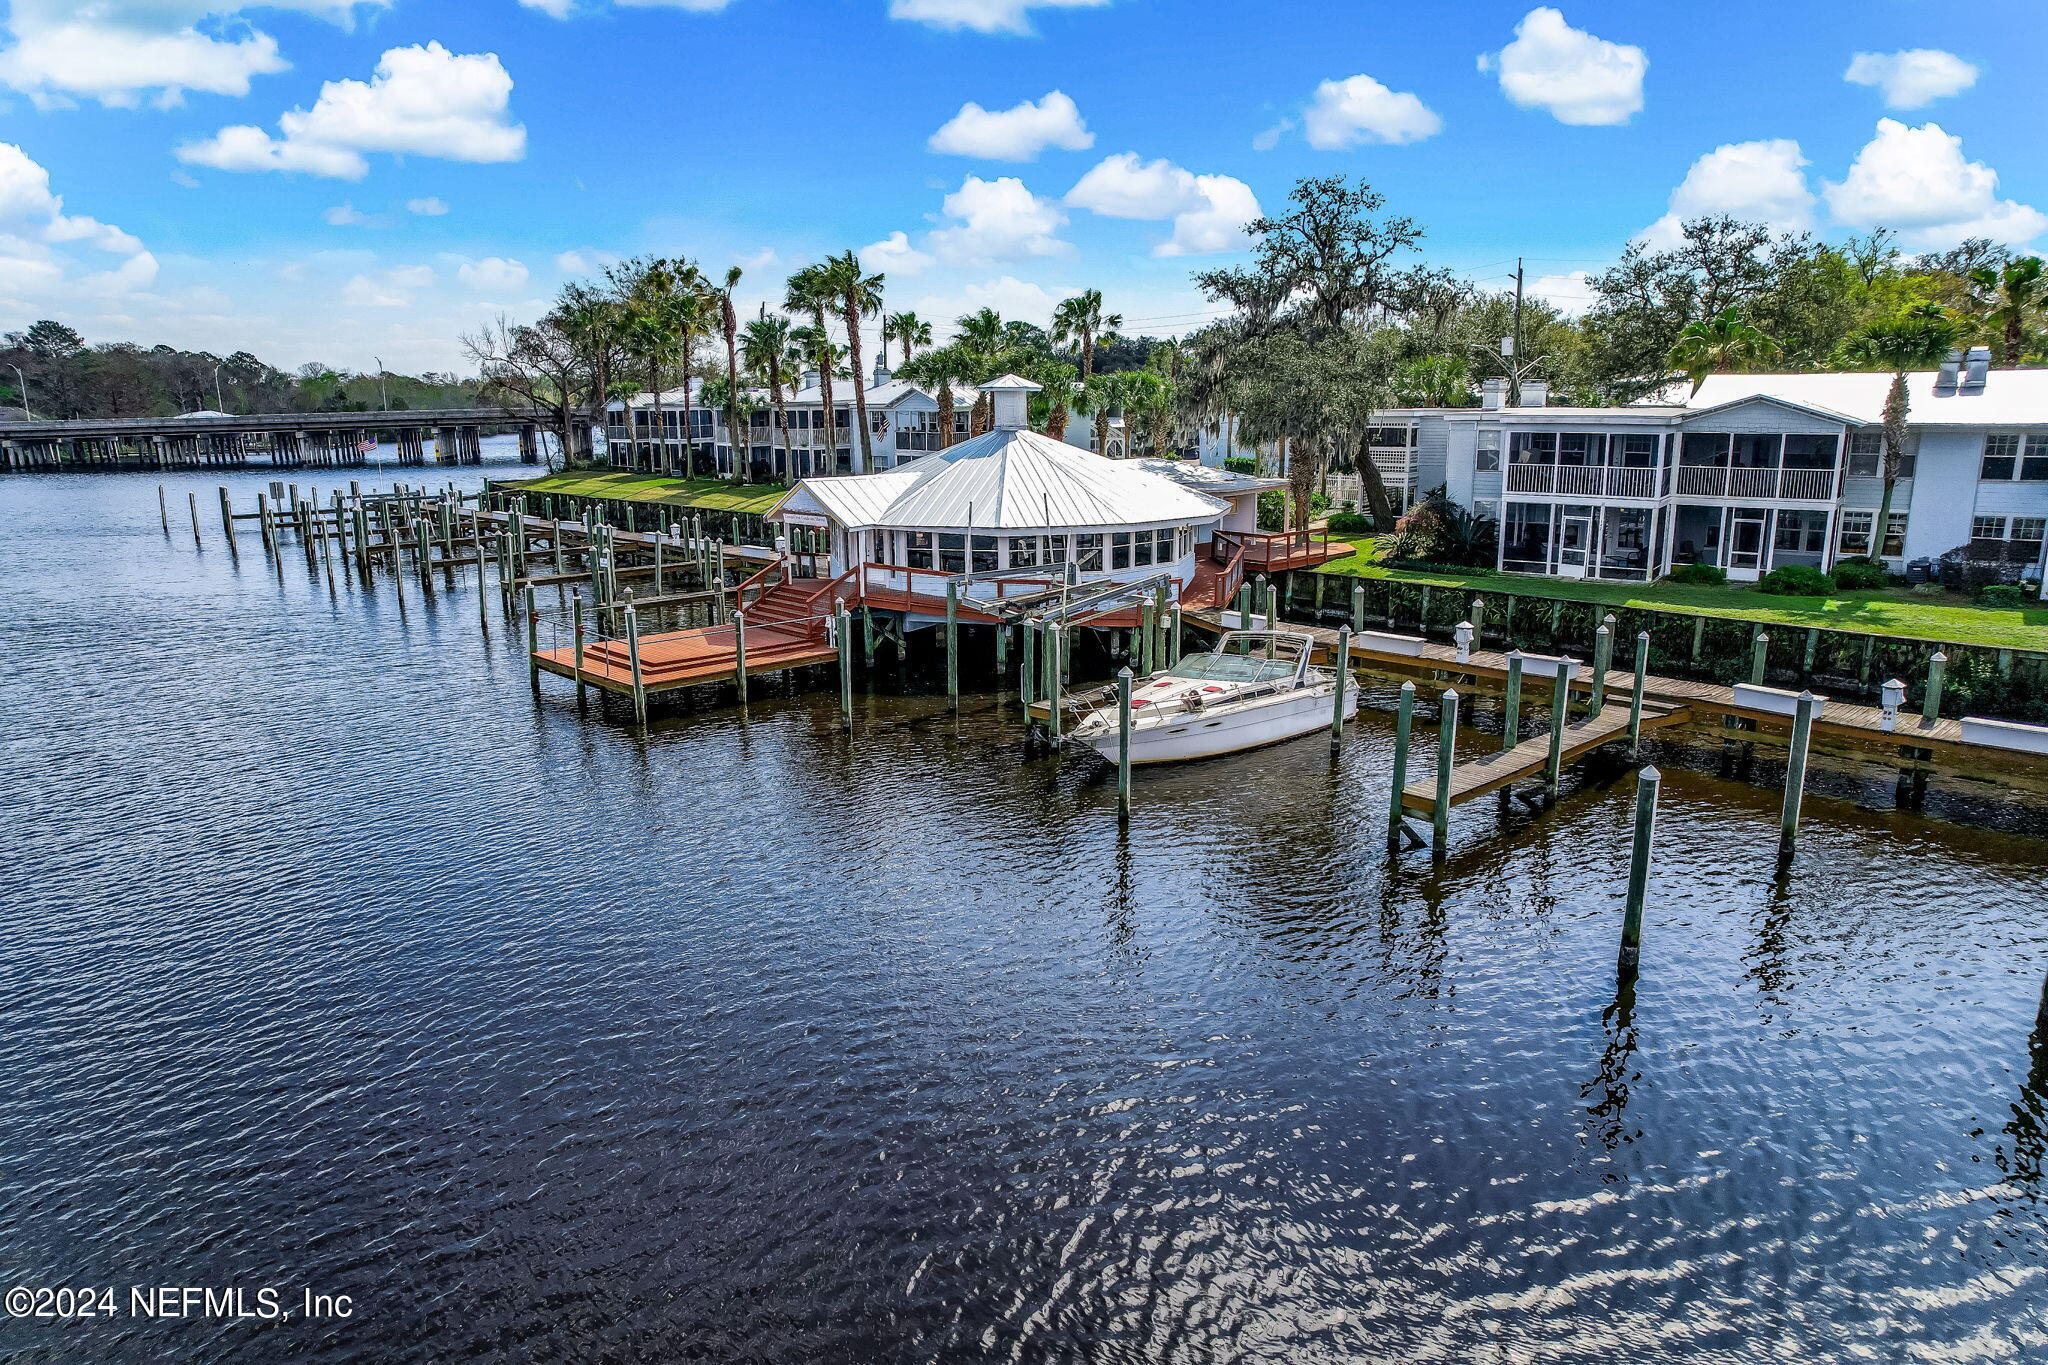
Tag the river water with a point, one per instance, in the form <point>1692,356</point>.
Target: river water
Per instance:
<point>334,962</point>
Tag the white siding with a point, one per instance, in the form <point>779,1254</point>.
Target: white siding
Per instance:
<point>1762,418</point>
<point>1431,455</point>
<point>1943,501</point>
<point>1459,445</point>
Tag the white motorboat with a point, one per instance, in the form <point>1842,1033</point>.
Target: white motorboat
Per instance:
<point>1255,687</point>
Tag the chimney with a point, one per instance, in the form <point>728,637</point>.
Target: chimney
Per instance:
<point>809,380</point>
<point>1976,369</point>
<point>883,374</point>
<point>1535,393</point>
<point>1493,394</point>
<point>1951,374</point>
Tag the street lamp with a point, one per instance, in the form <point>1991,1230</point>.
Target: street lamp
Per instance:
<point>218,402</point>
<point>383,400</point>
<point>22,381</point>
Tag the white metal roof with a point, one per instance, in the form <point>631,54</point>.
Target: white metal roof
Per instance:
<point>1009,480</point>
<point>1206,478</point>
<point>2009,398</point>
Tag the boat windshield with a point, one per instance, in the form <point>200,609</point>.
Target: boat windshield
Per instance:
<point>1232,668</point>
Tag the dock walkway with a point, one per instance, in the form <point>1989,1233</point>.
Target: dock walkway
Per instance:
<point>1476,777</point>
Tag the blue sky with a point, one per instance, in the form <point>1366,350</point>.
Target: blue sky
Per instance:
<point>316,179</point>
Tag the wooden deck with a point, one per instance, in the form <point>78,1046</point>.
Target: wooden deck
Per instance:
<point>1476,777</point>
<point>1846,721</point>
<point>785,629</point>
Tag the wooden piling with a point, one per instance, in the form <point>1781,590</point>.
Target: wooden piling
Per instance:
<point>1795,772</point>
<point>1146,632</point>
<point>1635,699</point>
<point>1055,674</point>
<point>1511,717</point>
<point>1027,675</point>
<point>1404,721</point>
<point>639,679</point>
<point>1446,759</point>
<point>1603,659</point>
<point>1342,670</point>
<point>739,647</point>
<point>577,615</point>
<point>953,642</point>
<point>1173,635</point>
<point>227,515</point>
<point>1937,670</point>
<point>1759,653</point>
<point>1123,743</point>
<point>163,509</point>
<point>532,641</point>
<point>1560,712</point>
<point>1647,783</point>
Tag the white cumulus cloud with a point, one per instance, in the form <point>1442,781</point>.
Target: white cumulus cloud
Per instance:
<point>429,207</point>
<point>1358,109</point>
<point>37,260</point>
<point>997,220</point>
<point>1579,78</point>
<point>345,215</point>
<point>1917,181</point>
<point>393,288</point>
<point>1758,182</point>
<point>492,275</point>
<point>980,16</point>
<point>1912,79</point>
<point>895,255</point>
<point>1571,294</point>
<point>422,101</point>
<point>1017,300</point>
<point>118,51</point>
<point>1209,212</point>
<point>1018,133</point>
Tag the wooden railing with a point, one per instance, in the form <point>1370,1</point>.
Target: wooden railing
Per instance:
<point>1277,549</point>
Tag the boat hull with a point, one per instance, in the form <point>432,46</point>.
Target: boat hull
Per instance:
<point>1181,736</point>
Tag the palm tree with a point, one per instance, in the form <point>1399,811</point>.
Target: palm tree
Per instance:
<point>1101,395</point>
<point>810,292</point>
<point>907,328</point>
<point>1060,386</point>
<point>696,312</point>
<point>859,296</point>
<point>815,348</point>
<point>981,339</point>
<point>594,321</point>
<point>766,343</point>
<point>730,320</point>
<point>937,369</point>
<point>1081,321</point>
<point>1914,338</point>
<point>1721,343</point>
<point>647,290</point>
<point>2007,299</point>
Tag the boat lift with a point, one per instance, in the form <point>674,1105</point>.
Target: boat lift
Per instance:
<point>1063,603</point>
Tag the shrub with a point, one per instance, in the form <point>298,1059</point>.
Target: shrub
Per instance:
<point>1241,464</point>
<point>1425,566</point>
<point>1272,510</point>
<point>1929,589</point>
<point>1704,575</point>
<point>2004,595</point>
<point>1349,524</point>
<point>1318,502</point>
<point>1860,574</point>
<point>1438,531</point>
<point>1796,580</point>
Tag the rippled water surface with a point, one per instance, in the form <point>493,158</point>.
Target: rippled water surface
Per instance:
<point>333,960</point>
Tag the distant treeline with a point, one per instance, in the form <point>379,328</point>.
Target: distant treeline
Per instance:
<point>60,376</point>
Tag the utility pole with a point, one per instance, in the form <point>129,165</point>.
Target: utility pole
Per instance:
<point>1514,344</point>
<point>218,402</point>
<point>22,380</point>
<point>383,398</point>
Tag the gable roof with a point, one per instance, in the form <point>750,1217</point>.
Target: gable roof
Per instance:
<point>1009,480</point>
<point>1825,414</point>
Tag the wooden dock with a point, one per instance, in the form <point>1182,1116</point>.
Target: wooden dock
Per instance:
<point>1476,777</point>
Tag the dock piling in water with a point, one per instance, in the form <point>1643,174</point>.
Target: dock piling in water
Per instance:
<point>639,678</point>
<point>163,509</point>
<point>1343,673</point>
<point>739,649</point>
<point>1795,771</point>
<point>1759,654</point>
<point>1937,669</point>
<point>1404,722</point>
<point>1511,718</point>
<point>842,635</point>
<point>1560,713</point>
<point>532,641</point>
<point>1635,700</point>
<point>1123,743</point>
<point>1603,659</point>
<point>953,642</point>
<point>1647,783</point>
<point>1055,668</point>
<point>1446,759</point>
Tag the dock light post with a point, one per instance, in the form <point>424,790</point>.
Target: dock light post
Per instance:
<point>1795,771</point>
<point>1123,743</point>
<point>633,658</point>
<point>1404,720</point>
<point>1891,697</point>
<point>1463,635</point>
<point>1343,672</point>
<point>1937,669</point>
<point>1635,698</point>
<point>1560,710</point>
<point>1759,650</point>
<point>1511,721</point>
<point>1446,758</point>
<point>1647,783</point>
<point>1603,659</point>
<point>842,636</point>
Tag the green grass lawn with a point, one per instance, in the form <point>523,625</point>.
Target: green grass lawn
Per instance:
<point>717,494</point>
<point>1891,611</point>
